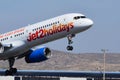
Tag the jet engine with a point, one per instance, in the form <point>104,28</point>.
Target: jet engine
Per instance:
<point>1,48</point>
<point>38,55</point>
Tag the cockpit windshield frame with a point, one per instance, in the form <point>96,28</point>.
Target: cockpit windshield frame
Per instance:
<point>78,17</point>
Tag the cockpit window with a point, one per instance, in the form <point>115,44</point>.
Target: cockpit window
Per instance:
<point>78,17</point>
<point>83,17</point>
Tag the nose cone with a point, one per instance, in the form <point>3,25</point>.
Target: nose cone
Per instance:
<point>89,22</point>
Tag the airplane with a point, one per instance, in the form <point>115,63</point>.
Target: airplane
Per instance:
<point>20,43</point>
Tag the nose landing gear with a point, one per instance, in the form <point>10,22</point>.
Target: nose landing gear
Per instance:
<point>69,48</point>
<point>69,37</point>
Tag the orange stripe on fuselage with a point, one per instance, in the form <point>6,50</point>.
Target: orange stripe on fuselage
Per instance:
<point>12,33</point>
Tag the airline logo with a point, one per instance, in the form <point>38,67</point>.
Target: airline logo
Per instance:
<point>47,32</point>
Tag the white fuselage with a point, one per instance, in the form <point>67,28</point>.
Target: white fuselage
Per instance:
<point>32,35</point>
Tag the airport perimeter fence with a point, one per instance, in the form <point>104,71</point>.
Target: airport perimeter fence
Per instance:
<point>50,78</point>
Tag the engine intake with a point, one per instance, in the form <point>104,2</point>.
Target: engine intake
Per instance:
<point>38,55</point>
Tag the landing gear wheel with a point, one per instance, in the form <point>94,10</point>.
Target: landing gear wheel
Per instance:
<point>8,72</point>
<point>11,71</point>
<point>69,48</point>
<point>14,70</point>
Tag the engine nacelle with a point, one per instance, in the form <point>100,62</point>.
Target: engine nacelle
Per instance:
<point>38,55</point>
<point>1,48</point>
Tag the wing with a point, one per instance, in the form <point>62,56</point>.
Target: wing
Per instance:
<point>5,47</point>
<point>12,49</point>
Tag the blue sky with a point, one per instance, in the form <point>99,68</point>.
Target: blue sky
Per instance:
<point>105,13</point>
